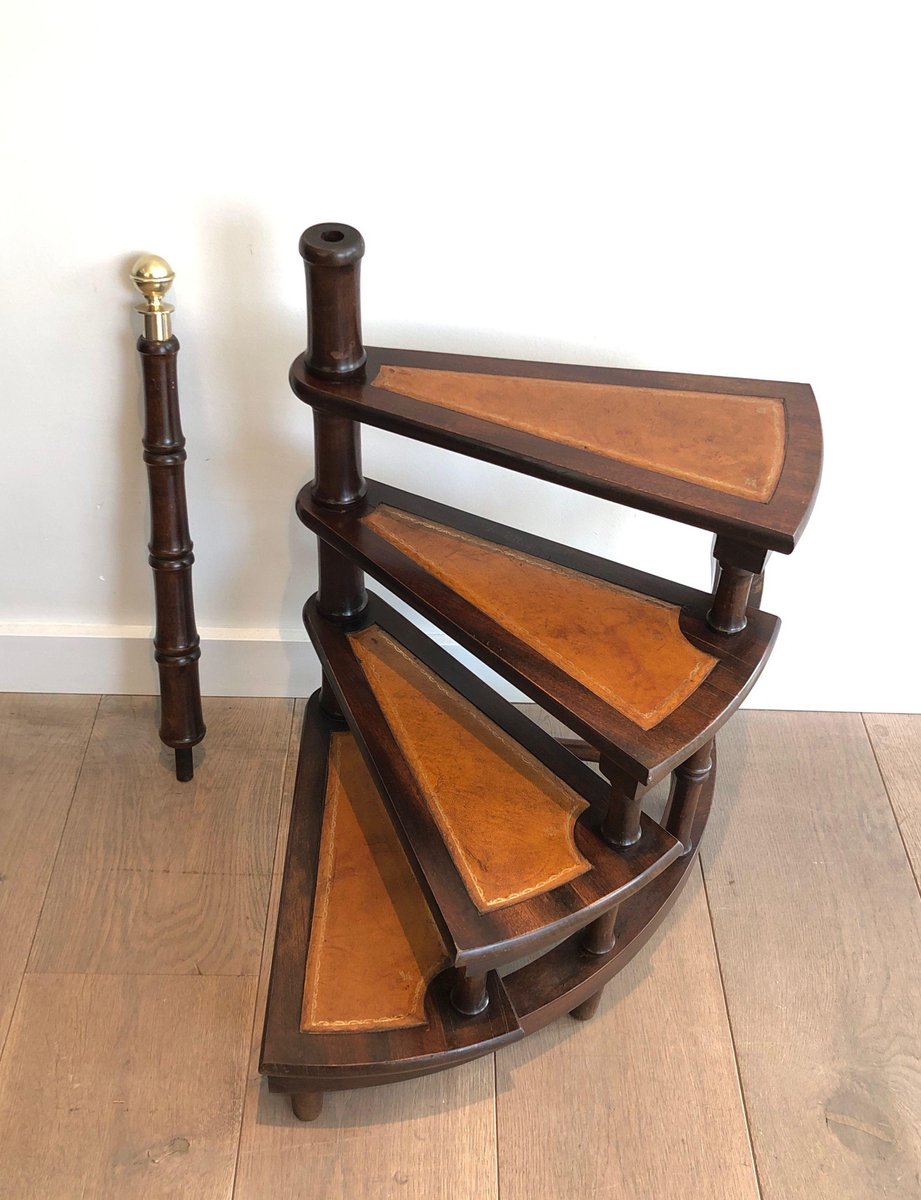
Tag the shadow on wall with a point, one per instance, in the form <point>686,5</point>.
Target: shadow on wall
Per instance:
<point>132,589</point>
<point>251,448</point>
<point>259,466</point>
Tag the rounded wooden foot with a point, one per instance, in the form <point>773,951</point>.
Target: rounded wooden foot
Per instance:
<point>184,768</point>
<point>307,1106</point>
<point>587,1009</point>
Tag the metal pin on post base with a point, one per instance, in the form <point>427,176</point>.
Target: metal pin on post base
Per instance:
<point>176,642</point>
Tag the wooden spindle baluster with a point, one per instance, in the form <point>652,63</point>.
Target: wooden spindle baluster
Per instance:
<point>621,826</point>
<point>332,264</point>
<point>738,564</point>
<point>600,936</point>
<point>756,594</point>
<point>176,641</point>
<point>687,781</point>
<point>730,600</point>
<point>469,995</point>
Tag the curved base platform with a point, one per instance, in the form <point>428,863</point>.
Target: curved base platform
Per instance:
<point>565,979</point>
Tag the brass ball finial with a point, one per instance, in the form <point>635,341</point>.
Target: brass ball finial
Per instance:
<point>153,277</point>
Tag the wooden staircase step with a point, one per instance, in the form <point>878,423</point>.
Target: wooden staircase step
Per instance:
<point>358,981</point>
<point>376,979</point>
<point>501,822</point>
<point>740,457</point>
<point>623,658</point>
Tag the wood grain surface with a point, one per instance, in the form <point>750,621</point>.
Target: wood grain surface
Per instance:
<point>576,462</point>
<point>42,743</point>
<point>732,444</point>
<point>127,813</point>
<point>161,877</point>
<point>105,1078</point>
<point>818,924</point>
<point>641,1101</point>
<point>896,740</point>
<point>428,1139</point>
<point>117,1086</point>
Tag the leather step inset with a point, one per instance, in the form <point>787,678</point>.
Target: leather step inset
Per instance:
<point>730,443</point>
<point>506,819</point>
<point>374,946</point>
<point>624,647</point>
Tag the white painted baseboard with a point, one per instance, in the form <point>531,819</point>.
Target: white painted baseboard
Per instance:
<point>118,660</point>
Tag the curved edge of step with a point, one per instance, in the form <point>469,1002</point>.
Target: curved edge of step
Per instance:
<point>646,754</point>
<point>483,939</point>
<point>291,1053</point>
<point>526,999</point>
<point>773,520</point>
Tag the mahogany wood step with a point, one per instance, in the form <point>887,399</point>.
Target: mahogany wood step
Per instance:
<point>741,457</point>
<point>358,983</point>
<point>501,822</point>
<point>625,659</point>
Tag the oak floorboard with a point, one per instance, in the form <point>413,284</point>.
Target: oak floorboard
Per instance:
<point>160,877</point>
<point>642,1100</point>
<point>428,1139</point>
<point>130,811</point>
<point>818,923</point>
<point>42,743</point>
<point>150,922</point>
<point>120,1086</point>
<point>896,740</point>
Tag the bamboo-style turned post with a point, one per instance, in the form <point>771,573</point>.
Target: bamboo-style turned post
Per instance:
<point>332,263</point>
<point>176,643</point>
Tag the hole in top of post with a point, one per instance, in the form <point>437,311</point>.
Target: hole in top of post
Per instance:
<point>332,235</point>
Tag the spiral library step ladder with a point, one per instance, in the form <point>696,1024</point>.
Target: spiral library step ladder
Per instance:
<point>455,877</point>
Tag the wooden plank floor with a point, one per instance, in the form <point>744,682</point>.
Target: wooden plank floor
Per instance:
<point>767,1042</point>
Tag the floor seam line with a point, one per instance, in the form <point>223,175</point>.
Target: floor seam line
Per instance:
<point>732,1037</point>
<point>54,863</point>
<point>265,940</point>
<point>895,815</point>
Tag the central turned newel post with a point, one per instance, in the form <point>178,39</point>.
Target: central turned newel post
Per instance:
<point>332,262</point>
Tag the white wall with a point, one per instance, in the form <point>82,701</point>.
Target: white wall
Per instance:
<point>710,187</point>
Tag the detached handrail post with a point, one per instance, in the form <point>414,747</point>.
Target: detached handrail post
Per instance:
<point>176,641</point>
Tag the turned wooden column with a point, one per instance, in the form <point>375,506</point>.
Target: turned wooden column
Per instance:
<point>332,256</point>
<point>621,826</point>
<point>469,995</point>
<point>687,781</point>
<point>601,935</point>
<point>176,642</point>
<point>737,566</point>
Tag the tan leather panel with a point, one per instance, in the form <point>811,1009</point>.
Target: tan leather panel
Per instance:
<point>624,647</point>
<point>732,444</point>
<point>374,946</point>
<point>507,821</point>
